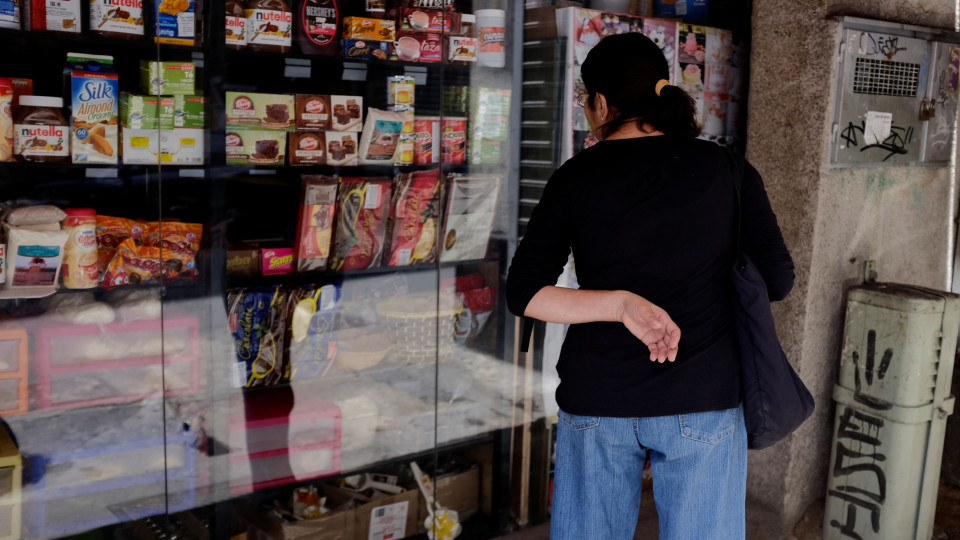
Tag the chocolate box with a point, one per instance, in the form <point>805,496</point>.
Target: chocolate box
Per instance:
<point>307,148</point>
<point>419,47</point>
<point>368,49</point>
<point>313,112</point>
<point>256,147</point>
<point>347,113</point>
<point>365,28</point>
<point>243,260</point>
<point>276,261</point>
<point>260,111</point>
<point>342,148</point>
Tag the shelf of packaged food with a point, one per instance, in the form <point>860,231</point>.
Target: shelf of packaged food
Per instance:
<point>170,287</point>
<point>329,276</point>
<point>41,39</point>
<point>295,57</point>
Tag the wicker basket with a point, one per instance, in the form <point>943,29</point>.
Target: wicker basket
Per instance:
<point>359,348</point>
<point>411,323</point>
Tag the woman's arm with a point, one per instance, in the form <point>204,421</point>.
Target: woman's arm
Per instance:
<point>761,237</point>
<point>646,321</point>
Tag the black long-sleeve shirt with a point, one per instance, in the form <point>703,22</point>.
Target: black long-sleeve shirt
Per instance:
<point>655,216</point>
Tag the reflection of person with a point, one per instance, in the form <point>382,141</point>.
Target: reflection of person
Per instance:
<point>649,213</point>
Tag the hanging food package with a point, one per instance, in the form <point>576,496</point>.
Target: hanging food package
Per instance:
<point>318,29</point>
<point>315,232</point>
<point>269,26</point>
<point>117,20</point>
<point>362,208</point>
<point>55,15</point>
<point>256,319</point>
<point>235,24</point>
<point>414,218</point>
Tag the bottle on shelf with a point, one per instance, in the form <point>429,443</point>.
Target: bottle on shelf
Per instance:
<point>491,30</point>
<point>41,131</point>
<point>318,27</point>
<point>80,252</point>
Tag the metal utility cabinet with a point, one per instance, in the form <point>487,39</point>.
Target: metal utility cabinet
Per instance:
<point>893,399</point>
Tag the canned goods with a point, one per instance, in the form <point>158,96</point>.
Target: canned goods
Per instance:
<point>405,149</point>
<point>454,141</point>
<point>426,133</point>
<point>401,92</point>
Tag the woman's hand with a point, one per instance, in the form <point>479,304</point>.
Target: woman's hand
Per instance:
<point>652,326</point>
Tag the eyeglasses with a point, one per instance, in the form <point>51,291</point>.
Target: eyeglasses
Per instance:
<point>581,100</point>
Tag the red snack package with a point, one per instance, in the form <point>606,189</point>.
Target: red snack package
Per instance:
<point>179,244</point>
<point>133,265</point>
<point>111,231</point>
<point>315,232</point>
<point>362,210</point>
<point>415,218</point>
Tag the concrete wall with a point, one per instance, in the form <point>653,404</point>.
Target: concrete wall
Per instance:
<point>832,219</point>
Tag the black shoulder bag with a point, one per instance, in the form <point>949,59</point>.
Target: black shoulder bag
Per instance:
<point>775,400</point>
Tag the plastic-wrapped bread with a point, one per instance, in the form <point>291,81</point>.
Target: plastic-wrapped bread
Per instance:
<point>35,215</point>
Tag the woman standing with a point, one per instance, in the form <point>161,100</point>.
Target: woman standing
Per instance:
<point>650,215</point>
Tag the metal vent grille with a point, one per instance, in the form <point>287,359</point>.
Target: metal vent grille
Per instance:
<point>885,77</point>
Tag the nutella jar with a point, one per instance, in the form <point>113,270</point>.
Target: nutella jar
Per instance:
<point>236,24</point>
<point>117,19</point>
<point>40,131</point>
<point>269,26</point>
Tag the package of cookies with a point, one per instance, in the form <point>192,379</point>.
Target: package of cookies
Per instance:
<point>342,148</point>
<point>256,321</point>
<point>311,314</point>
<point>315,230</point>
<point>363,205</point>
<point>414,218</point>
<point>366,28</point>
<point>347,113</point>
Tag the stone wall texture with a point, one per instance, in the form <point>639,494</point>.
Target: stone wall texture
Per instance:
<point>832,219</point>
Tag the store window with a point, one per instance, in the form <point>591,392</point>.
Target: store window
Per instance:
<point>254,264</point>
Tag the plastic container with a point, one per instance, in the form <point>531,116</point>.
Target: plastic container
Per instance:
<point>80,251</point>
<point>41,131</point>
<point>491,30</point>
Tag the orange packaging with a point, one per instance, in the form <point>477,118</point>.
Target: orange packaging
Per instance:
<point>179,244</point>
<point>133,265</point>
<point>111,231</point>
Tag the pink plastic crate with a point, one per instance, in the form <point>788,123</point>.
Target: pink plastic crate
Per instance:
<point>13,368</point>
<point>89,365</point>
<point>276,439</point>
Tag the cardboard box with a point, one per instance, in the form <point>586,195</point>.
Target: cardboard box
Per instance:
<point>460,492</point>
<point>189,111</point>
<point>261,111</point>
<point>276,261</point>
<point>146,112</point>
<point>243,260</point>
<point>176,22</point>
<point>368,49</point>
<point>11,478</point>
<point>392,517</point>
<point>95,106</point>
<point>183,146</point>
<point>168,78</point>
<point>307,148</point>
<point>256,147</point>
<point>365,28</point>
<point>340,524</point>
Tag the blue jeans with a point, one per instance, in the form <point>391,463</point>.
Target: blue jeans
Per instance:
<point>699,466</point>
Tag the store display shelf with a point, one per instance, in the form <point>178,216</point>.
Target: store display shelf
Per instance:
<point>327,60</point>
<point>328,276</point>
<point>354,170</point>
<point>44,39</point>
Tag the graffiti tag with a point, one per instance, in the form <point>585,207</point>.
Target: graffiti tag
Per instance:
<point>883,45</point>
<point>894,144</point>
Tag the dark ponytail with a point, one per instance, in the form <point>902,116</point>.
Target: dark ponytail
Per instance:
<point>625,68</point>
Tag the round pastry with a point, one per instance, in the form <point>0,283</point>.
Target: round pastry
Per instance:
<point>691,74</point>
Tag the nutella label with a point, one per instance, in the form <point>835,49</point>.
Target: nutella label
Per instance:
<point>491,39</point>
<point>269,27</point>
<point>120,16</point>
<point>40,141</point>
<point>320,22</point>
<point>236,31</point>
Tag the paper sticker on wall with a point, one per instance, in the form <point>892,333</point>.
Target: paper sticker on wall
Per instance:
<point>877,127</point>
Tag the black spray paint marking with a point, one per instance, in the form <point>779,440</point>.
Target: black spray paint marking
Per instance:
<point>895,143</point>
<point>886,45</point>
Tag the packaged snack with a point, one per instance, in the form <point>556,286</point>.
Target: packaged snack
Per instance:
<point>42,214</point>
<point>432,4</point>
<point>249,147</point>
<point>470,209</point>
<point>342,148</point>
<point>182,146</point>
<point>463,49</point>
<point>310,321</point>
<point>401,92</point>
<point>34,257</point>
<point>235,25</point>
<point>368,49</point>
<point>260,111</point>
<point>276,261</point>
<point>188,111</point>
<point>414,218</point>
<point>419,47</point>
<point>256,319</point>
<point>146,112</point>
<point>362,211</point>
<point>364,28</point>
<point>179,244</point>
<point>426,137</point>
<point>429,20</point>
<point>454,141</point>
<point>96,108</point>
<point>307,148</point>
<point>176,22</point>
<point>6,120</point>
<point>111,232</point>
<point>319,28</point>
<point>55,15</point>
<point>243,260</point>
<point>381,135</point>
<point>347,113</point>
<point>133,265</point>
<point>491,40</point>
<point>269,26</point>
<point>41,132</point>
<point>313,112</point>
<point>118,19</point>
<point>315,231</point>
<point>168,78</point>
<point>11,14</point>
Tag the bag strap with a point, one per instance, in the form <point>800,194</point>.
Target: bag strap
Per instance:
<point>736,167</point>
